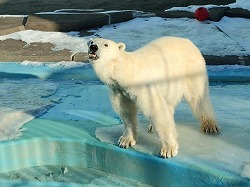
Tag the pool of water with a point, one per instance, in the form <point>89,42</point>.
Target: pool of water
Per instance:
<point>41,175</point>
<point>64,130</point>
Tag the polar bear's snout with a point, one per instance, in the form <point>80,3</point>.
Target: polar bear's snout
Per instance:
<point>93,48</point>
<point>92,52</point>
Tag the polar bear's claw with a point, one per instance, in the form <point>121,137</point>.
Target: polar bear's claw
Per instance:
<point>125,142</point>
<point>213,129</point>
<point>169,151</point>
<point>150,128</point>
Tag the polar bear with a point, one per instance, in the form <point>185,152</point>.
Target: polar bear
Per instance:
<point>154,79</point>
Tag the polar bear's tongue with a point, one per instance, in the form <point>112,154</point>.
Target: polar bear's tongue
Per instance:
<point>92,56</point>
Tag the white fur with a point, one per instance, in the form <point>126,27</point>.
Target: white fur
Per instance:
<point>154,79</point>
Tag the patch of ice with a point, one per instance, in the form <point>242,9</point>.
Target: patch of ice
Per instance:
<point>21,102</point>
<point>67,64</point>
<point>31,63</point>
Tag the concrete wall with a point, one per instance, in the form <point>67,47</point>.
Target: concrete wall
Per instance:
<point>33,6</point>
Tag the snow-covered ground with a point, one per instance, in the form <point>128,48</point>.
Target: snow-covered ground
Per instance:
<point>234,40</point>
<point>206,36</point>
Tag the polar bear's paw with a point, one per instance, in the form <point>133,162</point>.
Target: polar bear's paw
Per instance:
<point>169,151</point>
<point>126,141</point>
<point>209,126</point>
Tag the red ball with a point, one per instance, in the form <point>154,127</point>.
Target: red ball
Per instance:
<point>201,14</point>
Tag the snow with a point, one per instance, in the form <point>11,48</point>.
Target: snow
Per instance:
<point>55,65</point>
<point>67,65</point>
<point>206,36</point>
<point>31,63</point>
<point>245,4</point>
<point>233,29</point>
<point>14,16</point>
<point>241,4</point>
<point>233,40</point>
<point>60,40</point>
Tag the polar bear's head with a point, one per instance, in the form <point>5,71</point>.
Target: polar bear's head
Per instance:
<point>104,50</point>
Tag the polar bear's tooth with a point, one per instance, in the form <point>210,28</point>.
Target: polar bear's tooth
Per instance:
<point>92,56</point>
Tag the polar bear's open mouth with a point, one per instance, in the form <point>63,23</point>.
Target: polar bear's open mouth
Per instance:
<point>93,56</point>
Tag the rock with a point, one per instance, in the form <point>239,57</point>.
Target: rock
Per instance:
<point>175,14</point>
<point>75,22</point>
<point>227,60</point>
<point>18,51</point>
<point>65,170</point>
<point>11,24</point>
<point>216,13</point>
<point>80,57</point>
<point>238,12</point>
<point>120,16</point>
<point>66,22</point>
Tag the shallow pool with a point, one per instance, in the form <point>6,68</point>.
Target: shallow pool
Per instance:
<point>58,126</point>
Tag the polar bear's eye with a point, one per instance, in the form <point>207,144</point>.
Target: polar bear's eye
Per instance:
<point>106,45</point>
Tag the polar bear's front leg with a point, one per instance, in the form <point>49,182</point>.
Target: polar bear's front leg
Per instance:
<point>161,115</point>
<point>166,131</point>
<point>128,114</point>
<point>127,110</point>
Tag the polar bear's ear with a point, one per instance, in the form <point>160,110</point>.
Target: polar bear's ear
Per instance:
<point>121,46</point>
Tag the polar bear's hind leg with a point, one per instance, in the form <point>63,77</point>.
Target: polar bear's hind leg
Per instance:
<point>203,110</point>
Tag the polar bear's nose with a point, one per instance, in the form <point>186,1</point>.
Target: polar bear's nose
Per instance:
<point>93,48</point>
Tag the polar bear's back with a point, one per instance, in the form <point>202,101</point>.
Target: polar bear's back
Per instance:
<point>174,49</point>
<point>178,55</point>
<point>171,43</point>
<point>174,61</point>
